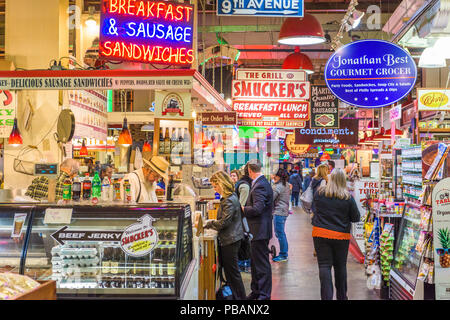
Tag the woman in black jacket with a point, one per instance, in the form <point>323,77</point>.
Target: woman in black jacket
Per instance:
<point>229,227</point>
<point>335,210</point>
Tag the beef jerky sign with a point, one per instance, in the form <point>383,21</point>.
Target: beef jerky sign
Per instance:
<point>324,108</point>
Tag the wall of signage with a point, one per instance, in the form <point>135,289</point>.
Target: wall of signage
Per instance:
<point>147,31</point>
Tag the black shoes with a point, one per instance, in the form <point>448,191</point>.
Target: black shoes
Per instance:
<point>252,296</point>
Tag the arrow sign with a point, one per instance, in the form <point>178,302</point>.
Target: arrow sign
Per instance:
<point>252,12</point>
<point>63,235</point>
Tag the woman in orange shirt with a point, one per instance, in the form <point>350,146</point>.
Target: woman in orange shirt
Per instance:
<point>335,210</point>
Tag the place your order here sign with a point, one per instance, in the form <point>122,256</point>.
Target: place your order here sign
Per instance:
<point>370,73</point>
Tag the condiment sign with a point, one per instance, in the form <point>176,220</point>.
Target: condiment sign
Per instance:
<point>433,99</point>
<point>272,111</point>
<point>272,124</point>
<point>264,8</point>
<point>347,134</point>
<point>270,90</point>
<point>217,118</point>
<point>147,31</point>
<point>324,108</point>
<point>370,73</point>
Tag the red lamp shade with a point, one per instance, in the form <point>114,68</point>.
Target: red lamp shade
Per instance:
<point>146,147</point>
<point>15,139</point>
<point>381,136</point>
<point>301,31</point>
<point>83,150</point>
<point>298,60</point>
<point>325,157</point>
<point>125,136</point>
<point>397,132</point>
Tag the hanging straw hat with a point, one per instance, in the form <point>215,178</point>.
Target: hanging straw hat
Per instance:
<point>157,164</point>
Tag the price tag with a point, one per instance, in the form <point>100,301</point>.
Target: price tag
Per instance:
<point>58,216</point>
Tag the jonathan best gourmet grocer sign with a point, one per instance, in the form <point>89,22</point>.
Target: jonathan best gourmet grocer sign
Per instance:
<point>370,73</point>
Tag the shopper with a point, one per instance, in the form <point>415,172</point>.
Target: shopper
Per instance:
<point>258,212</point>
<point>242,185</point>
<point>106,171</point>
<point>38,190</point>
<point>143,181</point>
<point>319,180</point>
<point>308,179</point>
<point>335,211</point>
<point>331,165</point>
<point>296,181</point>
<point>281,211</point>
<point>230,232</point>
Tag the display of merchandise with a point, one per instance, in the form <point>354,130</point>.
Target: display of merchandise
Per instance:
<point>13,285</point>
<point>386,251</point>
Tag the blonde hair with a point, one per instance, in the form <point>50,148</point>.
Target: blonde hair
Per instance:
<point>222,179</point>
<point>322,172</point>
<point>337,186</point>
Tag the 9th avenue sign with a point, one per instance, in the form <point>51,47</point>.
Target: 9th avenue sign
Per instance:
<point>265,8</point>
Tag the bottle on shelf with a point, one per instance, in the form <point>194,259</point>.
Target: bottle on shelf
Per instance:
<point>76,189</point>
<point>161,142</point>
<point>167,142</point>
<point>117,196</point>
<point>174,140</point>
<point>67,190</point>
<point>87,187</point>
<point>106,186</point>
<point>127,191</point>
<point>96,188</point>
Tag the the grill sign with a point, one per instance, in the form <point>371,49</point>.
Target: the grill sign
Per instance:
<point>271,90</point>
<point>140,238</point>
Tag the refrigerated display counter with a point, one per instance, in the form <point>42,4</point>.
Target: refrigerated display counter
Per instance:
<point>109,251</point>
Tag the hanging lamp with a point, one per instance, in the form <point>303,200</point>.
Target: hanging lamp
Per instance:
<point>397,132</point>
<point>83,150</point>
<point>432,58</point>
<point>15,139</point>
<point>301,31</point>
<point>125,138</point>
<point>298,60</point>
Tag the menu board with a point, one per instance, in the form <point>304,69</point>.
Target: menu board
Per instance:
<point>324,108</point>
<point>90,110</point>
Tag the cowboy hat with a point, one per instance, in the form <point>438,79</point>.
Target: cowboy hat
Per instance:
<point>157,164</point>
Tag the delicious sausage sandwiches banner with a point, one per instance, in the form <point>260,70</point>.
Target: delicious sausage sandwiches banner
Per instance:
<point>346,134</point>
<point>275,98</point>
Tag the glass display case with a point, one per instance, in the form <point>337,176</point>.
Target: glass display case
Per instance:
<point>111,251</point>
<point>13,229</point>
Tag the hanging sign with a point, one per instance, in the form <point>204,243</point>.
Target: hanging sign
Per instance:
<point>263,8</point>
<point>173,105</point>
<point>296,149</point>
<point>347,134</point>
<point>7,112</point>
<point>272,123</point>
<point>217,118</point>
<point>146,31</point>
<point>441,236</point>
<point>270,74</point>
<point>270,90</point>
<point>370,73</point>
<point>272,111</point>
<point>324,108</point>
<point>395,113</point>
<point>433,99</point>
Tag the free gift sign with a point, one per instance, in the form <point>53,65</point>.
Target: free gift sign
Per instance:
<point>146,31</point>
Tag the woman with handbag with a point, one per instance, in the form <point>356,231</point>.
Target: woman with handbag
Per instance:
<point>230,231</point>
<point>281,211</point>
<point>335,210</point>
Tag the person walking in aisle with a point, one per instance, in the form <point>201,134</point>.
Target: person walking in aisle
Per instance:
<point>230,231</point>
<point>296,181</point>
<point>307,180</point>
<point>281,211</point>
<point>258,212</point>
<point>319,180</point>
<point>331,165</point>
<point>335,211</point>
<point>242,189</point>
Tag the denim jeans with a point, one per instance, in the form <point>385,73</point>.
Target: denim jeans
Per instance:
<point>332,253</point>
<point>280,222</point>
<point>294,198</point>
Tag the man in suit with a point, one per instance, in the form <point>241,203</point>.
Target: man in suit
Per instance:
<point>258,211</point>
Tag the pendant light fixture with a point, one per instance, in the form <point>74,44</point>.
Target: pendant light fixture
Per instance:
<point>432,58</point>
<point>15,139</point>
<point>146,147</point>
<point>298,60</point>
<point>125,138</point>
<point>83,150</point>
<point>301,31</point>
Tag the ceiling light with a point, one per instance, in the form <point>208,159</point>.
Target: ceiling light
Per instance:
<point>443,45</point>
<point>146,147</point>
<point>432,58</point>
<point>148,127</point>
<point>229,102</point>
<point>356,18</point>
<point>125,136</point>
<point>15,139</point>
<point>301,31</point>
<point>298,60</point>
<point>83,150</point>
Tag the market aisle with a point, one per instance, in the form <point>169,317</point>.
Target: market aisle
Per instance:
<point>298,278</point>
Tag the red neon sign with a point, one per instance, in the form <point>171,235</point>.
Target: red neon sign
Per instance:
<point>147,31</point>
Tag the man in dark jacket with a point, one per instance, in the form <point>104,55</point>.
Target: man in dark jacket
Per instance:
<point>258,212</point>
<point>296,181</point>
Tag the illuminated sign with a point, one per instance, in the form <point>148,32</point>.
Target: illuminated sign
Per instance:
<point>266,8</point>
<point>146,31</point>
<point>370,73</point>
<point>346,134</point>
<point>433,100</point>
<point>271,90</point>
<point>324,108</point>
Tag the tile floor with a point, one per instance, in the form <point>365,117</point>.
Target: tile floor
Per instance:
<point>298,278</point>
